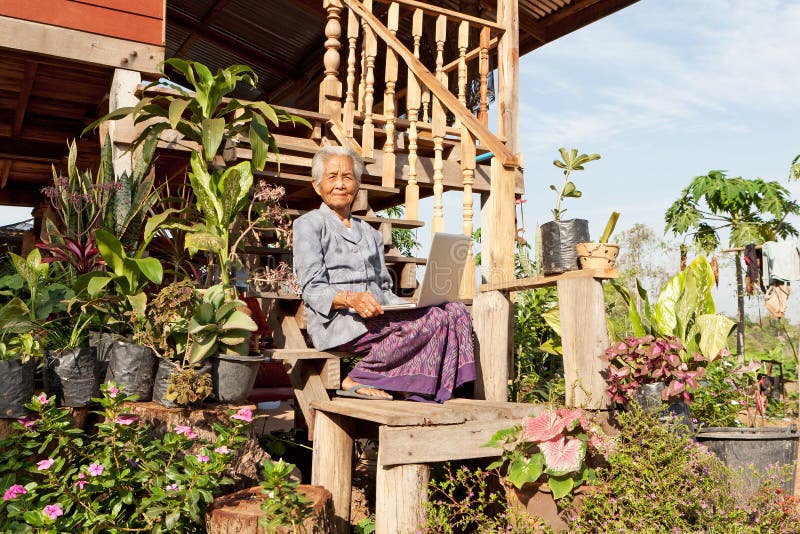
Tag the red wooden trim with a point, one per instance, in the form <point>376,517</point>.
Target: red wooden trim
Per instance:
<point>146,8</point>
<point>88,18</point>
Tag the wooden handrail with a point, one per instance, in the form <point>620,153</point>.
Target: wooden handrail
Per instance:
<point>449,13</point>
<point>486,137</point>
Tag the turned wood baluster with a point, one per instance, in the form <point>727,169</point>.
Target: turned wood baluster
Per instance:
<point>483,76</point>
<point>368,128</point>
<point>350,101</point>
<point>468,177</point>
<point>330,90</point>
<point>463,43</point>
<point>438,130</point>
<point>389,104</point>
<point>412,106</point>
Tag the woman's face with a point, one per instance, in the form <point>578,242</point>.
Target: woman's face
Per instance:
<point>338,185</point>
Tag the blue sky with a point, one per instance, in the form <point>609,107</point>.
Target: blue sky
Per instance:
<point>664,90</point>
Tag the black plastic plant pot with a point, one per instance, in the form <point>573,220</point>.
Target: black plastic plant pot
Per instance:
<point>132,368</point>
<point>161,382</point>
<point>559,239</point>
<point>233,376</point>
<point>16,387</point>
<point>102,341</point>
<point>71,375</point>
<point>760,448</point>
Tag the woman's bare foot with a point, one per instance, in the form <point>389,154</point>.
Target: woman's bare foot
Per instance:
<point>347,383</point>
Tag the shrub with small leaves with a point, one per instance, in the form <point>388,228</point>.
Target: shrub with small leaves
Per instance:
<point>56,478</point>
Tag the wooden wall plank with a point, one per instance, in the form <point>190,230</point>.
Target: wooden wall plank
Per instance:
<point>99,19</point>
<point>146,8</point>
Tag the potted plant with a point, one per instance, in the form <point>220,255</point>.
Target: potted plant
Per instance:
<point>221,329</point>
<point>600,255</point>
<point>559,237</point>
<point>550,456</point>
<point>70,365</point>
<point>180,379</point>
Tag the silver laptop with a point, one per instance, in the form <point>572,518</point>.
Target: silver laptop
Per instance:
<point>443,272</point>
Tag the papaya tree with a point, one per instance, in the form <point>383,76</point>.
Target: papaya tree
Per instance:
<point>751,210</point>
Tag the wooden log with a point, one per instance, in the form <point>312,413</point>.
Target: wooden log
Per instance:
<point>400,497</point>
<point>240,512</point>
<point>333,462</point>
<point>245,466</point>
<point>491,316</point>
<point>584,337</point>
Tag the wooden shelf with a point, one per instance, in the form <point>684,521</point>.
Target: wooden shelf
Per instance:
<point>534,282</point>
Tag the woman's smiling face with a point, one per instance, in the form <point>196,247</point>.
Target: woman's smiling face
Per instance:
<point>338,185</point>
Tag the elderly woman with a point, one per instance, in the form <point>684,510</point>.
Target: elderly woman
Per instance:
<point>422,354</point>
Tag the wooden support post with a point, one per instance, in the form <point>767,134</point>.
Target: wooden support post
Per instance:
<point>498,241</point>
<point>400,496</point>
<point>584,337</point>
<point>508,74</point>
<point>122,94</point>
<point>330,90</point>
<point>491,317</point>
<point>332,463</point>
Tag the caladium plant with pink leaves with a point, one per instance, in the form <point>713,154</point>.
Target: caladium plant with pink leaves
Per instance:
<point>559,447</point>
<point>636,361</point>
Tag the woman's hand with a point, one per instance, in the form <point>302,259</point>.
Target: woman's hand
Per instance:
<point>364,303</point>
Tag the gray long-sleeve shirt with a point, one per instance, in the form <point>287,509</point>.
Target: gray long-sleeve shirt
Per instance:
<point>329,258</point>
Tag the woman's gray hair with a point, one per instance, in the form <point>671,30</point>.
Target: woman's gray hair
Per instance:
<point>321,159</point>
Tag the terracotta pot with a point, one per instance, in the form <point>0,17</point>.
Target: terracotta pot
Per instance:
<point>537,500</point>
<point>597,255</point>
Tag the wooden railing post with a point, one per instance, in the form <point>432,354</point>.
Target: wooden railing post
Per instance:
<point>438,130</point>
<point>463,43</point>
<point>468,178</point>
<point>393,22</point>
<point>413,101</point>
<point>483,77</point>
<point>350,99</point>
<point>371,50</point>
<point>330,90</point>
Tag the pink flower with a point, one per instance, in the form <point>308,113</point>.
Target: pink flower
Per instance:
<point>186,431</point>
<point>125,419</point>
<point>43,400</point>
<point>28,422</point>
<point>113,391</point>
<point>81,482</point>
<point>53,511</point>
<point>244,414</point>
<point>172,487</point>
<point>96,470</point>
<point>202,458</point>
<point>222,450</point>
<point>13,492</point>
<point>45,464</point>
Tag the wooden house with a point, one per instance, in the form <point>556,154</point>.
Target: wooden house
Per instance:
<point>407,83</point>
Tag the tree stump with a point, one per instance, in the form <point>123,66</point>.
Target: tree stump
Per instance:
<point>78,415</point>
<point>238,513</point>
<point>5,427</point>
<point>246,464</point>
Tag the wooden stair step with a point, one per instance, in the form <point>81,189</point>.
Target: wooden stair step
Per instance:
<point>303,354</point>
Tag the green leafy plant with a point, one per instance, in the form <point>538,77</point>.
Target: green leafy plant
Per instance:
<point>283,505</point>
<point>19,335</point>
<point>685,310</point>
<point>658,480</point>
<point>560,447</point>
<point>570,161</point>
<point>730,395</point>
<point>218,327</point>
<point>57,478</point>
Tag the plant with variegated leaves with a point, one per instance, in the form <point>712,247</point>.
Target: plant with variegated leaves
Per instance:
<point>560,447</point>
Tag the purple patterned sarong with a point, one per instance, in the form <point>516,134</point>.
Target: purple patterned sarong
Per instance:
<point>424,352</point>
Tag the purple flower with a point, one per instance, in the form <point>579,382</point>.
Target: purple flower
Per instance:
<point>81,482</point>
<point>126,420</point>
<point>28,422</point>
<point>13,492</point>
<point>43,400</point>
<point>96,470</point>
<point>202,458</point>
<point>222,450</point>
<point>186,431</point>
<point>45,464</point>
<point>53,511</point>
<point>172,487</point>
<point>244,414</point>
